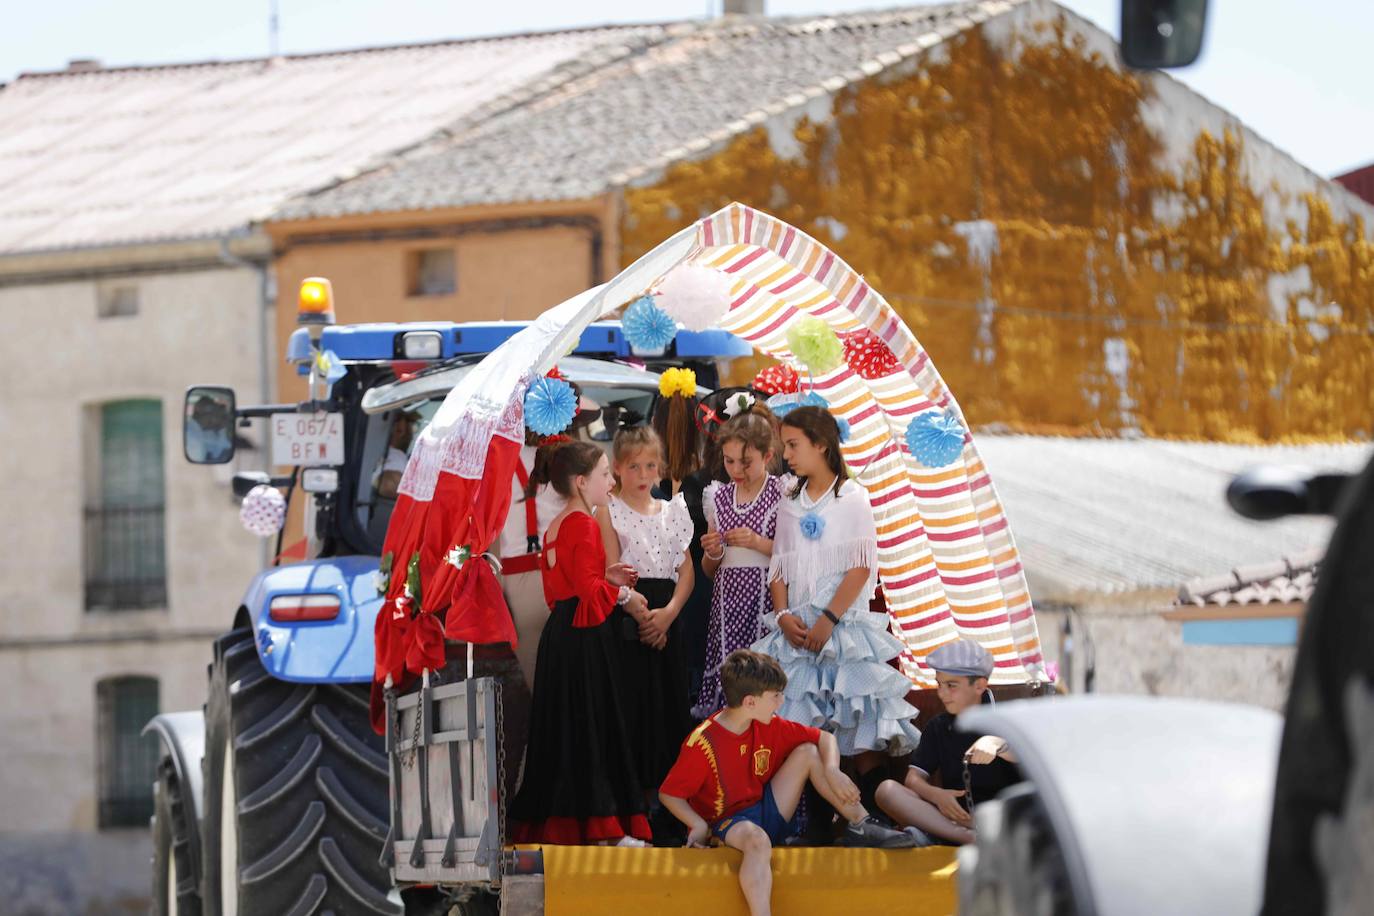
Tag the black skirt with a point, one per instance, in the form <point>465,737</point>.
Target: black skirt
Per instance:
<point>656,699</point>
<point>579,760</point>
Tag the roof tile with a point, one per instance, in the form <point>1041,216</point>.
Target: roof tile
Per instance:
<point>635,116</point>
<point>142,153</point>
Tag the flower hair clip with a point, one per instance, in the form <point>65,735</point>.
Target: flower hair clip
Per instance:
<point>678,381</point>
<point>737,404</point>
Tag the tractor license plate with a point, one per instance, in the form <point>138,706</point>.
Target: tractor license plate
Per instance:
<point>307,439</point>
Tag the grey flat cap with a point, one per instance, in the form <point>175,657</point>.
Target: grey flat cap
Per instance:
<point>963,656</point>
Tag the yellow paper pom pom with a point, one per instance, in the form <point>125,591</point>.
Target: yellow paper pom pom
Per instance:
<point>678,381</point>
<point>815,345</point>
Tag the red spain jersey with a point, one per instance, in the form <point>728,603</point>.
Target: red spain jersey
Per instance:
<point>719,772</point>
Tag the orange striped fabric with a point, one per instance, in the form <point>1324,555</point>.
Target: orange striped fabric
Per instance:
<point>947,562</point>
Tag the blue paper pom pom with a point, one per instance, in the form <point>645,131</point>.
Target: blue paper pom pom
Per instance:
<point>783,404</point>
<point>936,438</point>
<point>843,424</point>
<point>550,405</point>
<point>812,526</point>
<point>647,327</point>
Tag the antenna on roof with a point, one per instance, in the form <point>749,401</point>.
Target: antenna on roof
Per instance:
<point>274,29</point>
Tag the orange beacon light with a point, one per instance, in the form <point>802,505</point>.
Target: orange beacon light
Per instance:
<point>315,304</point>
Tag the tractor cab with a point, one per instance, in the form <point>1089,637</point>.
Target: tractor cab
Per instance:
<point>373,388</point>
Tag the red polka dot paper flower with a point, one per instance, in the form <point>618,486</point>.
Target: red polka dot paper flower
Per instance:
<point>777,379</point>
<point>867,355</point>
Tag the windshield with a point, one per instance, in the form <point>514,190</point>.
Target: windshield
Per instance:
<point>395,414</point>
<point>437,382</point>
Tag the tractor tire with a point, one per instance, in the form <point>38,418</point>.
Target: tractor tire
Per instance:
<point>296,801</point>
<point>176,886</point>
<point>1016,867</point>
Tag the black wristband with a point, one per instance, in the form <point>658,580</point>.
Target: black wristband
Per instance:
<point>833,619</point>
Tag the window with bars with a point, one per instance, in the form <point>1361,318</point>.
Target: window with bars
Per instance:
<point>431,272</point>
<point>125,549</point>
<point>116,300</point>
<point>127,759</point>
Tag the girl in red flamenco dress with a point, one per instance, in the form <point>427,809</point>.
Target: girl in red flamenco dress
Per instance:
<point>581,784</point>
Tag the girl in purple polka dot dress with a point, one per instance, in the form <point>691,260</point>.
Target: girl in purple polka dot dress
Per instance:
<point>742,518</point>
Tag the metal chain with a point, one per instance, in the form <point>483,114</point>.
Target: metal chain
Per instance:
<point>408,761</point>
<point>501,762</point>
<point>968,788</point>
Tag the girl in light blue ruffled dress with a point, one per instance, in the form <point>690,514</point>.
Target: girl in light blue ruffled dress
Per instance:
<point>822,577</point>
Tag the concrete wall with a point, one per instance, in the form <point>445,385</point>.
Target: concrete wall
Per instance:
<point>60,362</point>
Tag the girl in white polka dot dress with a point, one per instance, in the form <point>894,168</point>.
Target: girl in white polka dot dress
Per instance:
<point>652,536</point>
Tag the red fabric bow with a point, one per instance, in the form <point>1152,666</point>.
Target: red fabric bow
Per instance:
<point>426,648</point>
<point>478,612</point>
<point>777,379</point>
<point>867,355</point>
<point>707,415</point>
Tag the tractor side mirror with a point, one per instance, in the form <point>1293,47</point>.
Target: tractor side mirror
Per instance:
<point>207,429</point>
<point>1272,491</point>
<point>1157,34</point>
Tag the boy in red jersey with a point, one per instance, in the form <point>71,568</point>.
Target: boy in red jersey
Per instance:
<point>740,775</point>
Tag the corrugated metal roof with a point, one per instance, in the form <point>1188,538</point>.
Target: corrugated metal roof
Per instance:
<point>679,98</point>
<point>151,153</point>
<point>1116,515</point>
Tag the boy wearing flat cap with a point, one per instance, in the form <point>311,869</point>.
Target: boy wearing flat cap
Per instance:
<point>943,813</point>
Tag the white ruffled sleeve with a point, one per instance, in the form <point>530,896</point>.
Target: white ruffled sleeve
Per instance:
<point>680,528</point>
<point>708,504</point>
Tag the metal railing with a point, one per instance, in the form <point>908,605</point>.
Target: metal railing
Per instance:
<point>126,558</point>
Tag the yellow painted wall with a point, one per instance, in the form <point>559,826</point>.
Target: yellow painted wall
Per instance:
<point>1012,205</point>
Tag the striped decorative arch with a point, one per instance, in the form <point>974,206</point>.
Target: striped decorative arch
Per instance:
<point>948,564</point>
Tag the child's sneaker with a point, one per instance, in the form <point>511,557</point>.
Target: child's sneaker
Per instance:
<point>869,832</point>
<point>919,837</point>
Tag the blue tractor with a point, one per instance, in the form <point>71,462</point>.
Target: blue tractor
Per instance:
<point>274,797</point>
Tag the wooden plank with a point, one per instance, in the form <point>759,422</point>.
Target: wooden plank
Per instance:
<point>1237,611</point>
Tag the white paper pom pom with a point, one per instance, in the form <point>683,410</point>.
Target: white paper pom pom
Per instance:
<point>694,295</point>
<point>263,511</point>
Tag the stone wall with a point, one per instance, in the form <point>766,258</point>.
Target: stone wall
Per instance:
<point>1138,651</point>
<point>63,361</point>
